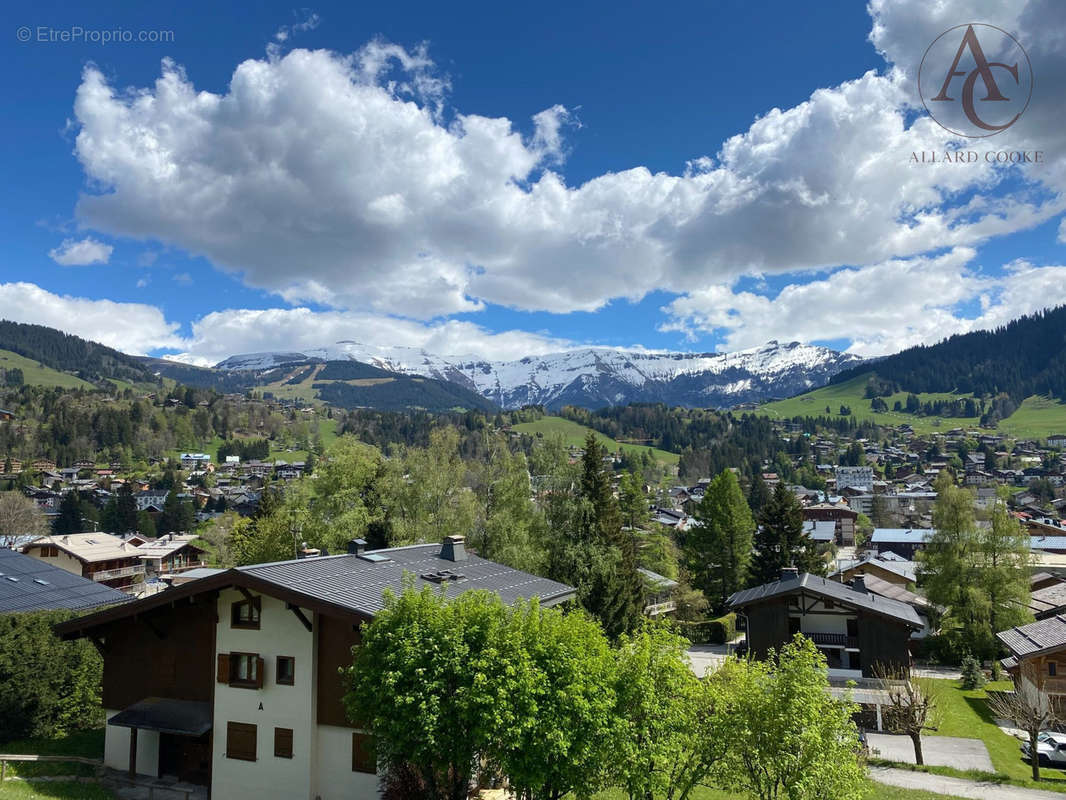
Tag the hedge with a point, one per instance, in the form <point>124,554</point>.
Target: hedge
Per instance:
<point>48,687</point>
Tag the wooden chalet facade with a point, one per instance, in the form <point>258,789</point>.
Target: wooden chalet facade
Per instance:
<point>854,629</point>
<point>232,680</point>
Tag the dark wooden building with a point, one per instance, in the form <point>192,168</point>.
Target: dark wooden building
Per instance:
<point>854,629</point>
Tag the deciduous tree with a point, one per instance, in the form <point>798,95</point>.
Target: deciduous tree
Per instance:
<point>1029,707</point>
<point>912,707</point>
<point>20,517</point>
<point>789,737</point>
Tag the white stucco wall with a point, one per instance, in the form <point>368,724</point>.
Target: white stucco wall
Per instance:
<point>268,777</point>
<point>117,748</point>
<point>823,623</point>
<point>335,778</point>
<point>63,560</point>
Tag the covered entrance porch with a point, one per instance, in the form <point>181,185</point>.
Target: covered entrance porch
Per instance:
<point>160,737</point>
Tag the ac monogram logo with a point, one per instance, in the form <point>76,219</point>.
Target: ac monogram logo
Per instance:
<point>957,64</point>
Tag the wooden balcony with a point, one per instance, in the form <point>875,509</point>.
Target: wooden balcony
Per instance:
<point>833,639</point>
<point>121,572</point>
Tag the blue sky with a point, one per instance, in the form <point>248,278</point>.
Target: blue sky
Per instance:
<point>493,180</point>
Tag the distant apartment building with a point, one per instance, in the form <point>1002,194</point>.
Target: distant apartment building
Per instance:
<point>858,478</point>
<point>193,461</point>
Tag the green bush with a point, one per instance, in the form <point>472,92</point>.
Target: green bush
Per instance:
<point>48,687</point>
<point>723,629</point>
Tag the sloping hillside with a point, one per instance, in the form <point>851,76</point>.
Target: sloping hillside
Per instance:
<point>65,353</point>
<point>36,374</point>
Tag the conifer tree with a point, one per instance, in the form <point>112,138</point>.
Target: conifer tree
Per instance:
<point>612,588</point>
<point>759,493</point>
<point>69,519</point>
<point>781,541</point>
<point>718,546</point>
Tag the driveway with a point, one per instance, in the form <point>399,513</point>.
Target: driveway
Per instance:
<point>957,787</point>
<point>706,658</point>
<point>941,751</point>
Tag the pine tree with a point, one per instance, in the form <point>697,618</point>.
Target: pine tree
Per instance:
<point>1003,549</point>
<point>781,541</point>
<point>614,590</point>
<point>759,494</point>
<point>177,516</point>
<point>125,516</point>
<point>718,546</point>
<point>948,570</point>
<point>69,519</point>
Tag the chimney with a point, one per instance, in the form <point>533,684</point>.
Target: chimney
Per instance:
<point>789,573</point>
<point>356,546</point>
<point>858,583</point>
<point>453,549</point>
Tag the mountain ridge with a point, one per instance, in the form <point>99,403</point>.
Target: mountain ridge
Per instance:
<point>595,377</point>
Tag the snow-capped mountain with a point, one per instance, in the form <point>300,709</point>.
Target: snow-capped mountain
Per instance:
<point>595,377</point>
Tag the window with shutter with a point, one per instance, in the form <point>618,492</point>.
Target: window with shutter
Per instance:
<point>240,741</point>
<point>245,614</point>
<point>283,742</point>
<point>245,670</point>
<point>363,758</point>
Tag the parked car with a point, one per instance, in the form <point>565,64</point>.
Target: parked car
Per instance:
<point>1050,750</point>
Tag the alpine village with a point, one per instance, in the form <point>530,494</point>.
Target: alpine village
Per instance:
<point>216,583</point>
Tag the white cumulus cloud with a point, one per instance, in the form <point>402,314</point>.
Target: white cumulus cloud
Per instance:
<point>135,328</point>
<point>81,252</point>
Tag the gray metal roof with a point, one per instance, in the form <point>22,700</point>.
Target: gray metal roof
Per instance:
<point>905,569</point>
<point>359,584</point>
<point>893,591</point>
<point>813,584</point>
<point>1036,637</point>
<point>902,535</point>
<point>29,584</point>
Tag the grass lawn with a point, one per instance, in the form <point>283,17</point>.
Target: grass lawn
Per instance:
<point>1036,418</point>
<point>41,790</point>
<point>89,744</point>
<point>965,714</point>
<point>574,434</point>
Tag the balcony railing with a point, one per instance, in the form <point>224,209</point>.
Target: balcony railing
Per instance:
<point>121,572</point>
<point>660,608</point>
<point>833,639</point>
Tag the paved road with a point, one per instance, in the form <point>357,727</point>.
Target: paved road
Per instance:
<point>957,787</point>
<point>941,751</point>
<point>706,658</point>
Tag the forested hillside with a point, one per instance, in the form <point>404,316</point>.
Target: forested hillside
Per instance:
<point>66,353</point>
<point>1023,358</point>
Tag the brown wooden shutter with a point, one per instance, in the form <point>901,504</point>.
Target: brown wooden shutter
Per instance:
<point>240,741</point>
<point>363,758</point>
<point>223,668</point>
<point>283,742</point>
<point>260,668</point>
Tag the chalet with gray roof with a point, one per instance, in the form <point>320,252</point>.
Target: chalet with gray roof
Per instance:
<point>232,680</point>
<point>854,629</point>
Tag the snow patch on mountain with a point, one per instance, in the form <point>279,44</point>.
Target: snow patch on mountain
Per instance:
<point>595,376</point>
